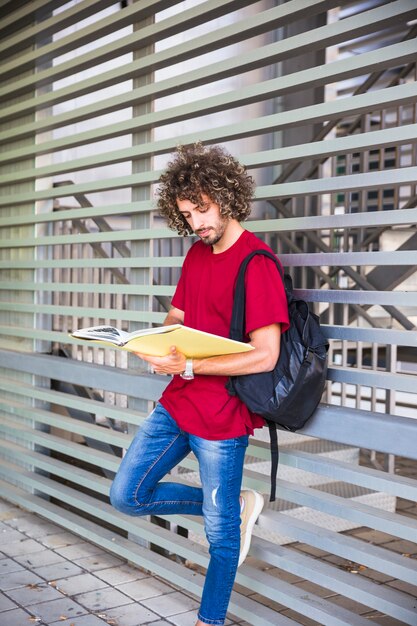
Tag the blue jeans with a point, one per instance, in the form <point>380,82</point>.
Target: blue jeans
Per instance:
<point>159,446</point>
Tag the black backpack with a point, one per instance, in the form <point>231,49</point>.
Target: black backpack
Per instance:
<point>287,396</point>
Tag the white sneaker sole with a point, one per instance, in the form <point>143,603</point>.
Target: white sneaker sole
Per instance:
<point>257,509</point>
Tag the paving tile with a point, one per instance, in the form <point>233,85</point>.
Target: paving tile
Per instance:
<point>13,580</point>
<point>56,610</point>
<point>99,562</point>
<point>19,548</point>
<point>16,617</point>
<point>26,596</point>
<point>84,620</point>
<point>102,599</point>
<point>301,619</point>
<point>189,619</point>
<point>60,540</point>
<point>401,585</point>
<point>82,583</point>
<point>9,535</point>
<point>9,565</point>
<point>121,574</point>
<point>402,546</point>
<point>80,551</point>
<point>171,604</point>
<point>145,588</point>
<point>9,511</point>
<point>40,559</point>
<point>132,615</point>
<point>65,569</point>
<point>6,603</point>
<point>34,526</point>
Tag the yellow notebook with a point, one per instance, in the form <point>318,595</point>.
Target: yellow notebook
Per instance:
<point>158,341</point>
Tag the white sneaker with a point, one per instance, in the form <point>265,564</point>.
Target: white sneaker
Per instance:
<point>253,504</point>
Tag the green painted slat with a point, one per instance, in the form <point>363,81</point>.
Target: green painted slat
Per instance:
<point>257,24</point>
<point>96,407</point>
<point>58,444</point>
<point>114,314</point>
<point>363,514</point>
<point>331,147</point>
<point>394,55</point>
<point>345,546</point>
<point>108,263</point>
<point>147,35</point>
<point>268,585</point>
<point>366,180</point>
<point>272,53</point>
<point>25,15</point>
<point>395,217</point>
<point>47,463</point>
<point>46,28</point>
<point>147,290</point>
<point>345,296</point>
<point>69,17</point>
<point>49,418</point>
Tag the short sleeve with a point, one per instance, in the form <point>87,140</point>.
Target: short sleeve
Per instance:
<point>266,302</point>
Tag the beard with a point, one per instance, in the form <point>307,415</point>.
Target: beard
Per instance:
<point>215,234</point>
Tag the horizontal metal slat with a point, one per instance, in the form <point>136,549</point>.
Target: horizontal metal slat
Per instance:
<point>345,546</point>
<point>319,149</point>
<point>371,335</point>
<point>67,18</point>
<point>378,379</point>
<point>57,420</point>
<point>399,54</point>
<point>399,605</point>
<point>352,296</point>
<point>145,36</point>
<point>24,38</point>
<point>127,262</point>
<point>52,442</point>
<point>344,296</point>
<point>348,509</point>
<point>14,19</point>
<point>45,462</point>
<point>255,25</point>
<point>290,595</point>
<point>114,314</point>
<point>271,53</point>
<point>394,217</point>
<point>171,571</point>
<point>97,407</point>
<point>289,560</point>
<point>131,382</point>
<point>147,290</point>
<point>392,434</point>
<point>365,477</point>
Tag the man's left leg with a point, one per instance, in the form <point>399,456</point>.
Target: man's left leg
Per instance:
<point>221,469</point>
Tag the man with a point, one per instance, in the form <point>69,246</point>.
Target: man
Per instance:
<point>206,192</point>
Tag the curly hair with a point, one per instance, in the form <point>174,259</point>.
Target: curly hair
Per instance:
<point>197,170</point>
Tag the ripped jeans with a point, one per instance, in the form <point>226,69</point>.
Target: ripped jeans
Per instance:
<point>159,446</point>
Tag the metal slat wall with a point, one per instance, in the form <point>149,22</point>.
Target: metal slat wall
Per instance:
<point>318,98</point>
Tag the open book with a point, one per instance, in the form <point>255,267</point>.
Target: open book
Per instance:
<point>157,341</point>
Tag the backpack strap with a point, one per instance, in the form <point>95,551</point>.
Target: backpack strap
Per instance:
<point>237,324</point>
<point>237,331</point>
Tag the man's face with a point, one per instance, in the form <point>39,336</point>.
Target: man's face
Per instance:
<point>204,219</point>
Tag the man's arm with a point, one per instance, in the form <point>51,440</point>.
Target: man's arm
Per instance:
<point>174,316</point>
<point>265,340</point>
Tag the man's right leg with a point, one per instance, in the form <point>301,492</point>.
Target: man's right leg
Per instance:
<point>158,446</point>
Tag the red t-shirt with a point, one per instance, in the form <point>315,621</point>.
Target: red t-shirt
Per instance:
<point>202,406</point>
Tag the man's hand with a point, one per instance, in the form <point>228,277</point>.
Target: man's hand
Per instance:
<point>172,363</point>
